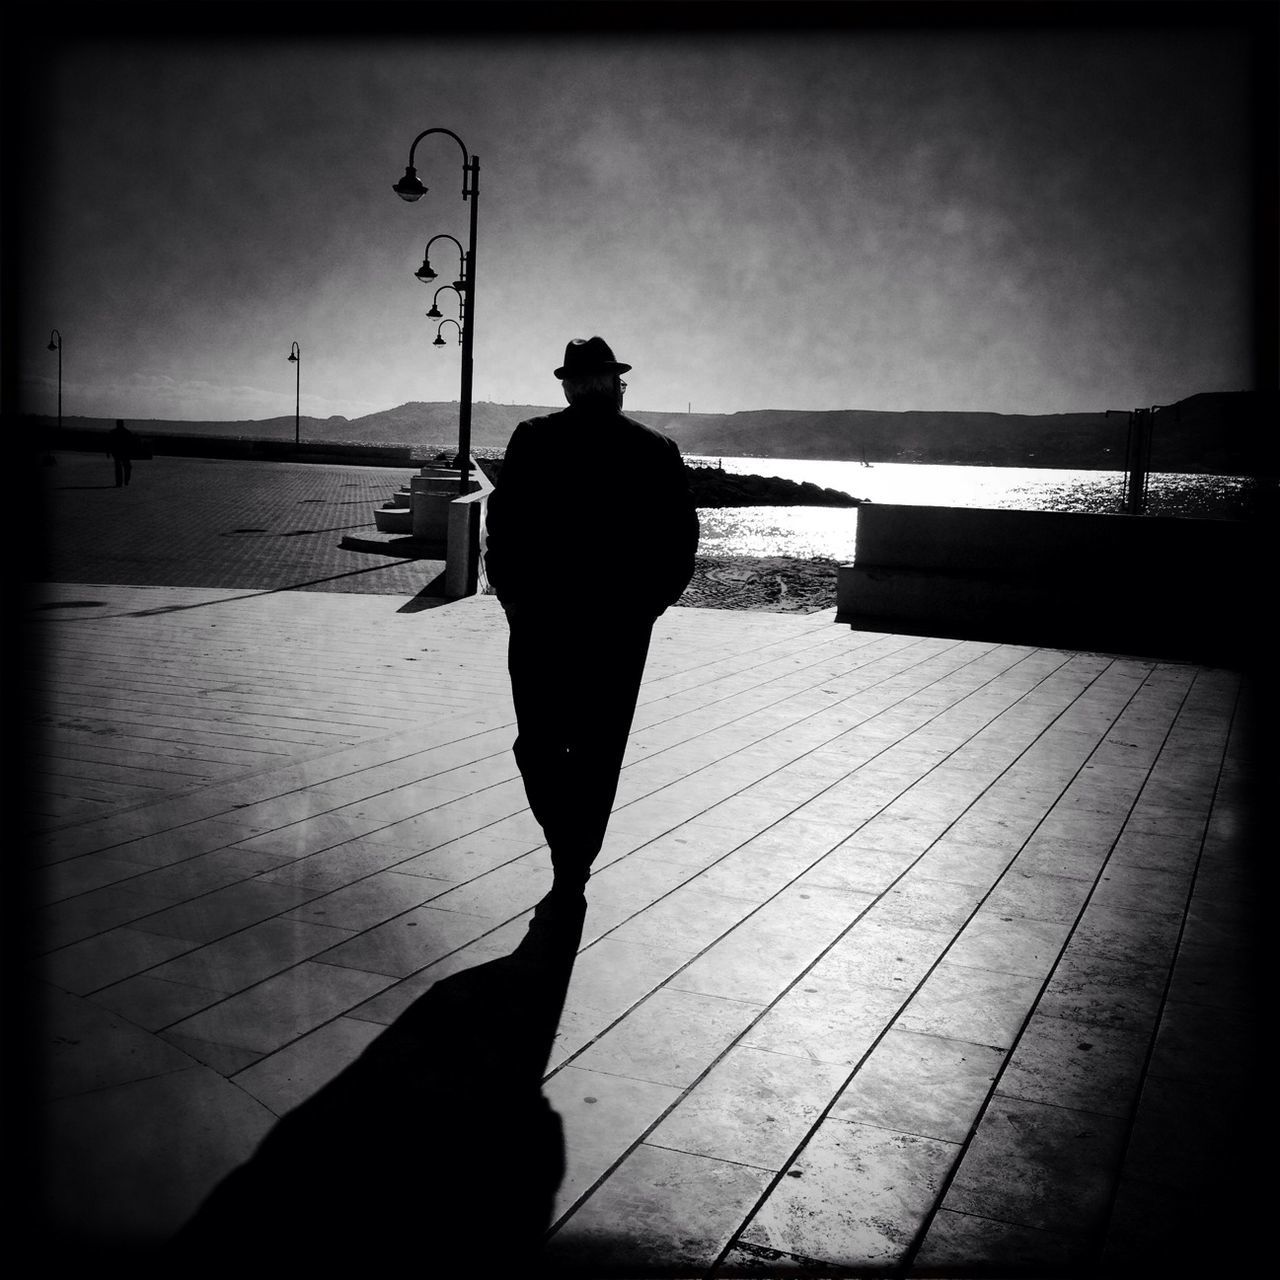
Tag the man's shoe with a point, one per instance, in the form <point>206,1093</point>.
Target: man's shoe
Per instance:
<point>564,903</point>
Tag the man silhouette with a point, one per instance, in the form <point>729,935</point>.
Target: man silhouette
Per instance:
<point>121,444</point>
<point>591,535</point>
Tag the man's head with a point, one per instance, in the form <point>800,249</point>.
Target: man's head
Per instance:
<point>591,375</point>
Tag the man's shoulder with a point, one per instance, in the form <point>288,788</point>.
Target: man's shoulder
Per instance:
<point>567,425</point>
<point>658,439</point>
<point>542,421</point>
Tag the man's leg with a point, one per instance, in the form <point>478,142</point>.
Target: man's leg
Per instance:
<point>599,729</point>
<point>541,688</point>
<point>575,695</point>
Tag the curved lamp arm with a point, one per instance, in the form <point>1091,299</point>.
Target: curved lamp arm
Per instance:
<point>295,354</point>
<point>439,341</point>
<point>435,313</point>
<point>410,187</point>
<point>427,275</point>
<point>55,340</point>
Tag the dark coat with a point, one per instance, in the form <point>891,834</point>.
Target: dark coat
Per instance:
<point>122,444</point>
<point>591,506</point>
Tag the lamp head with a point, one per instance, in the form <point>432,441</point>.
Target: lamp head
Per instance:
<point>424,272</point>
<point>53,346</point>
<point>409,187</point>
<point>293,359</point>
<point>435,313</point>
<point>439,342</point>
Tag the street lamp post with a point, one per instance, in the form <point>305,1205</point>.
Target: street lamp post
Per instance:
<point>55,344</point>
<point>295,357</point>
<point>411,188</point>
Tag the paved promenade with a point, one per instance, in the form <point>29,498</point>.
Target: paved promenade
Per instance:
<point>905,955</point>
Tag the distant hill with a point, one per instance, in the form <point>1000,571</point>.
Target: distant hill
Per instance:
<point>1223,432</point>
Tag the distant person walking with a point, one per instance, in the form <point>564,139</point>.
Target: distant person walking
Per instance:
<point>591,535</point>
<point>122,445</point>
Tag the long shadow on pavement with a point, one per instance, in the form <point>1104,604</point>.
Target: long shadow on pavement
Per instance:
<point>436,1143</point>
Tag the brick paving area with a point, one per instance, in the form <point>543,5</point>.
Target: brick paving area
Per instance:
<point>204,522</point>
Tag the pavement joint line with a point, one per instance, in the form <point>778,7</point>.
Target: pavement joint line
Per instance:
<point>1131,1120</point>
<point>519,915</point>
<point>1008,1054</point>
<point>960,698</point>
<point>827,742</point>
<point>729,697</point>
<point>410,735</point>
<point>1153,1033</point>
<point>890,1021</point>
<point>1064,788</point>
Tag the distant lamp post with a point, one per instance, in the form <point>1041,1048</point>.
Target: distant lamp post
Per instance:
<point>295,358</point>
<point>55,344</point>
<point>410,187</point>
<point>1137,455</point>
<point>440,342</point>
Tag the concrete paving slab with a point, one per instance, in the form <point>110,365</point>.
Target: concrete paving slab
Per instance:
<point>1040,1166</point>
<point>754,1108</point>
<point>288,1077</point>
<point>670,1036</point>
<point>852,1198</point>
<point>660,1212</point>
<point>604,1116</point>
<point>973,1005</point>
<point>924,1084</point>
<point>109,1192</point>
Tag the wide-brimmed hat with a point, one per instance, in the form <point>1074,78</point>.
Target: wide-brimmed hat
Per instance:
<point>589,355</point>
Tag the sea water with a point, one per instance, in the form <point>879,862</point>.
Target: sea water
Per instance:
<point>830,532</point>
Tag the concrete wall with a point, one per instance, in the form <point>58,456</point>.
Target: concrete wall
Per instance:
<point>464,564</point>
<point>1160,586</point>
<point>430,494</point>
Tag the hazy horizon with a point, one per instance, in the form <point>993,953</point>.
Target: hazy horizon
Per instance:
<point>551,407</point>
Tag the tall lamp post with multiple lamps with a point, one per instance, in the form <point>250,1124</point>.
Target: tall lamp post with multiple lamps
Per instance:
<point>411,188</point>
<point>295,358</point>
<point>55,344</point>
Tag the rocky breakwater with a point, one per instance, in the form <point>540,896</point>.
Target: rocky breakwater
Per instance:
<point>773,583</point>
<point>712,487</point>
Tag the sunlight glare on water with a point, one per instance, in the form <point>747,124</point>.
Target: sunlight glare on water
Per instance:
<point>830,532</point>
<point>805,532</point>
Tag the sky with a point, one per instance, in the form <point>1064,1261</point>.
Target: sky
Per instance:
<point>885,217</point>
